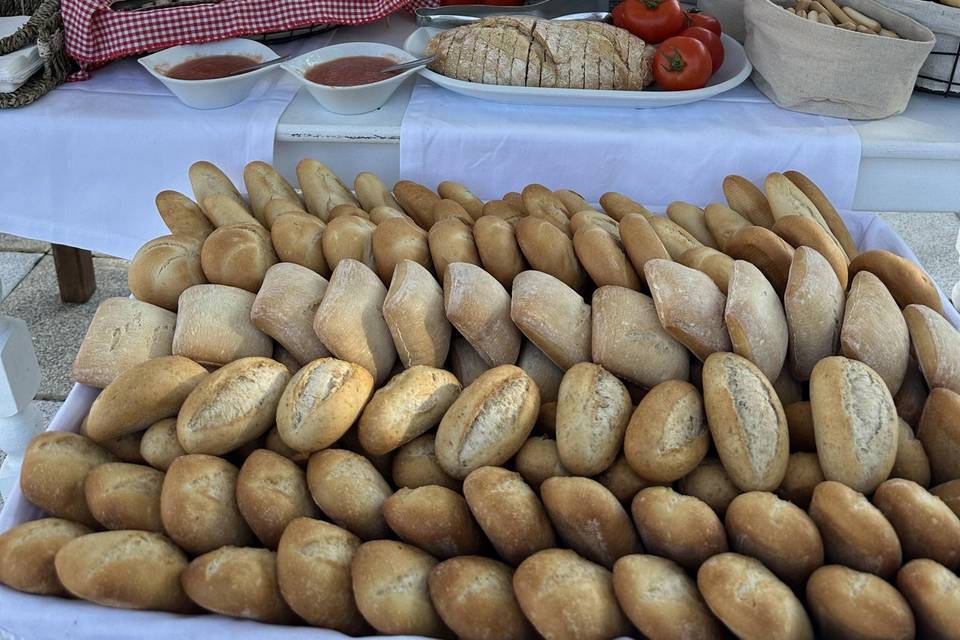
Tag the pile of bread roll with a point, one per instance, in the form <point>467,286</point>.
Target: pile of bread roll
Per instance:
<point>408,412</point>
<point>833,14</point>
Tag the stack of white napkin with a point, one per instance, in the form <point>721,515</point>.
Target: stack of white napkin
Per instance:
<point>16,67</point>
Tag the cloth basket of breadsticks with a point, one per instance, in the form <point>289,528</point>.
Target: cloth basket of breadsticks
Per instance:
<point>941,72</point>
<point>853,59</point>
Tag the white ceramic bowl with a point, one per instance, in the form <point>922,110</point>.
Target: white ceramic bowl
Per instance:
<point>361,98</point>
<point>218,92</point>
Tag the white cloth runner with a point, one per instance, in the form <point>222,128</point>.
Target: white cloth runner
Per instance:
<point>83,164</point>
<point>655,156</point>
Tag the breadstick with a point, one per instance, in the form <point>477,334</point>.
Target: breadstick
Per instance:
<point>863,29</point>
<point>792,10</point>
<point>801,13</point>
<point>866,21</point>
<point>849,26</point>
<point>812,15</point>
<point>803,4</point>
<point>834,9</point>
<point>824,18</point>
<point>815,4</point>
<point>889,34</point>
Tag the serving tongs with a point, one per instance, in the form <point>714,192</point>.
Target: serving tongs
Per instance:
<point>456,15</point>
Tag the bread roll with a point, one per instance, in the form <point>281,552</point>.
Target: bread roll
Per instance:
<point>474,596</point>
<point>223,209</point>
<point>462,196</point>
<point>746,421</point>
<point>538,460</point>
<point>723,223</point>
<point>618,206</point>
<point>125,496</point>
<point>912,395</point>
<point>488,422</point>
<point>239,582</point>
<point>182,215</point>
<point>786,199</point>
<point>934,595</point>
<point>271,493</point>
<point>322,189</point>
<point>198,504</point>
<point>285,307</point>
<point>126,570</point>
<point>55,466</point>
<point>788,389</point>
<point>417,201</point>
<point>435,519</point>
<point>313,574</point>
<point>396,240</point>
<point>937,345</point>
<point>905,504</point>
<point>690,218</point>
<point>711,262</point>
<point>238,255</point>
<point>465,362</point>
<point>159,445</point>
<point>348,238</point>
<point>604,260</point>
<point>414,313</point>
<point>949,492</point>
<point>589,218</point>
<point>381,214</point>
<point>350,491</point>
<point>622,481</point>
<point>446,209</point>
<point>298,239</point>
<point>123,333</point>
<point>746,199</point>
<point>498,249</point>
<point>451,241</point>
<point>641,242</point>
<point>851,604</point>
<point>836,224</point>
<point>415,465</point>
<point>593,408</point>
<point>372,193</point>
<point>321,402</point>
<point>755,319</point>
<point>766,250</point>
<point>802,477</point>
<point>681,528</point>
<point>142,395</point>
<point>939,431</point>
<point>689,305</point>
<point>539,202</point>
<point>905,280</point>
<point>479,307</point>
<point>267,189</point>
<point>801,231</point>
<point>711,483</point>
<point>390,585</point>
<point>552,316</point>
<point>912,462</point>
<point>855,423</point>
<point>163,268</point>
<point>27,552</point>
<point>661,600</point>
<point>550,251</point>
<point>207,179</point>
<point>348,210</point>
<point>509,211</point>
<point>214,327</point>
<point>275,443</point>
<point>675,239</point>
<point>814,305</point>
<point>544,372</point>
<point>126,448</point>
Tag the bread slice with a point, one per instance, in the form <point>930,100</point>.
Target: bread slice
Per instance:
<point>467,50</point>
<point>492,64</point>
<point>534,64</point>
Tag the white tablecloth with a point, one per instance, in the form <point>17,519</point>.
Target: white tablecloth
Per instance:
<point>655,156</point>
<point>82,165</point>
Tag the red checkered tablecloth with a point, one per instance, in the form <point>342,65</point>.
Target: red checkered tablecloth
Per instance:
<point>97,34</point>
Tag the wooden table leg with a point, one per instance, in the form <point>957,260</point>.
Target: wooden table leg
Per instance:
<point>74,273</point>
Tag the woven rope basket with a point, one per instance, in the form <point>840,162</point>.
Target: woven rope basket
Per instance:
<point>45,27</point>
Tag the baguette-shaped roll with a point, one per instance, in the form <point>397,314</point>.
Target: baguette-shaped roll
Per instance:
<point>750,600</point>
<point>415,465</point>
<point>667,436</point>
<point>559,580</point>
<point>912,395</point>
<point>384,213</point>
<point>465,362</point>
<point>182,215</point>
<point>603,259</point>
<point>755,319</point>
<point>451,241</point>
<point>690,218</point>
<point>549,250</point>
<point>350,319</point>
<point>223,209</point>
<point>123,333</point>
<point>414,313</point>
<point>572,201</point>
<point>689,305</point>
<point>206,179</point>
<point>322,189</point>
<point>462,196</point>
<point>238,255</point>
<point>912,462</point>
<point>417,201</point>
<point>836,224</point>
<point>552,316</point>
<point>372,193</point>
<point>214,327</point>
<point>682,528</point>
<point>711,483</point>
<point>163,268</point>
<point>802,477</point>
<point>937,345</point>
<point>277,208</point>
<point>618,206</point>
<point>746,199</point>
<point>348,210</point>
<point>855,533</point>
<point>538,460</point>
<point>445,209</point>
<point>905,504</point>
<point>675,238</point>
<point>498,249</point>
<point>271,493</point>
<point>589,519</point>
<point>479,308</point>
<point>661,600</point>
<point>297,238</point>
<point>313,574</point>
<point>855,423</point>
<point>746,421</point>
<point>27,553</point>
<point>814,305</point>
<point>474,596</point>
<point>641,242</point>
<point>874,330</point>
<point>267,187</point>
<point>715,264</point>
<point>509,512</point>
<point>723,223</point>
<point>125,569</point>
<point>489,422</point>
<point>509,211</point>
<point>939,431</point>
<point>396,240</point>
<point>159,446</point>
<point>125,496</point>
<point>786,199</point>
<point>852,604</point>
<point>350,491</point>
<point>593,408</point>
<point>239,582</point>
<point>906,281</point>
<point>539,202</point>
<point>321,402</point>
<point>142,395</point>
<point>348,237</point>
<point>777,533</point>
<point>766,250</point>
<point>198,504</point>
<point>435,519</point>
<point>412,403</point>
<point>590,218</point>
<point>285,307</point>
<point>544,372</point>
<point>933,592</point>
<point>800,231</point>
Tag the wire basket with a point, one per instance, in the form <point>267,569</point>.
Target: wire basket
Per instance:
<point>45,28</point>
<point>940,74</point>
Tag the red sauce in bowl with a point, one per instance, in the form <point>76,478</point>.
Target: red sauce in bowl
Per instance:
<point>209,67</point>
<point>350,71</point>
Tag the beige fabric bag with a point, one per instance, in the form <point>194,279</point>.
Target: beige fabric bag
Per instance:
<point>944,21</point>
<point>814,68</point>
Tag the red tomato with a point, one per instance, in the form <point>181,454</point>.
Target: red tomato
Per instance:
<point>682,63</point>
<point>705,20</point>
<point>651,20</point>
<point>712,42</point>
